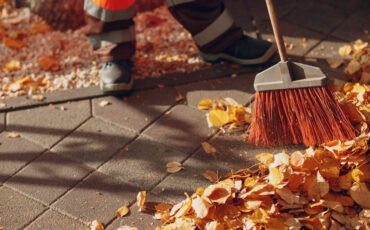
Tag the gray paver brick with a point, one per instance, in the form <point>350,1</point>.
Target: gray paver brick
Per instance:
<point>14,154</point>
<point>239,88</point>
<point>259,12</point>
<point>2,121</point>
<point>352,5</point>
<point>17,210</point>
<point>94,142</point>
<point>354,27</point>
<point>97,197</point>
<point>137,111</point>
<point>327,49</point>
<point>143,164</point>
<point>316,15</point>
<point>302,39</point>
<point>140,220</point>
<point>232,154</point>
<point>54,220</point>
<point>48,177</point>
<point>47,125</point>
<point>182,128</point>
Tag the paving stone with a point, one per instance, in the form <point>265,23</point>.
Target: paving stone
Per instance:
<point>143,164</point>
<point>47,125</point>
<point>137,111</point>
<point>259,12</point>
<point>97,197</point>
<point>94,142</point>
<point>317,16</point>
<point>352,5</point>
<point>15,153</point>
<point>54,220</point>
<point>48,177</point>
<point>327,49</point>
<point>140,220</point>
<point>300,38</point>
<point>355,26</point>
<point>232,154</point>
<point>239,88</point>
<point>183,128</point>
<point>2,121</point>
<point>17,210</point>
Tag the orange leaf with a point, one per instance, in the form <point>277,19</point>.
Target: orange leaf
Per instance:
<point>208,148</point>
<point>205,104</point>
<point>122,211</point>
<point>217,193</point>
<point>40,27</point>
<point>49,63</point>
<point>15,43</point>
<point>211,176</point>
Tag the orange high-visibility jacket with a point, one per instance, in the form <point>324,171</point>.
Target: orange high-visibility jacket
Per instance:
<point>114,4</point>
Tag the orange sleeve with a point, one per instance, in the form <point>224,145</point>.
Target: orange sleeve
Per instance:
<point>114,4</point>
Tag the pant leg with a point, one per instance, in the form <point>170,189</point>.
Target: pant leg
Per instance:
<point>209,22</point>
<point>110,26</point>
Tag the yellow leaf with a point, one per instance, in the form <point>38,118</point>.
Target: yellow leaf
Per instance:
<point>252,204</point>
<point>12,66</point>
<point>96,225</point>
<point>360,194</point>
<point>275,177</point>
<point>259,216</point>
<point>182,208</point>
<point>174,167</point>
<point>265,158</point>
<point>345,50</point>
<point>362,173</point>
<point>211,176</point>
<point>141,197</point>
<point>122,211</point>
<point>205,104</point>
<point>208,148</point>
<point>218,118</point>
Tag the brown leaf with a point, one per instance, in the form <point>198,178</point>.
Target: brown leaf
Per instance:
<point>49,63</point>
<point>217,193</point>
<point>210,175</point>
<point>174,167</point>
<point>208,148</point>
<point>15,43</point>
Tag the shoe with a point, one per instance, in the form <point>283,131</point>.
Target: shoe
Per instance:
<point>115,77</point>
<point>245,51</point>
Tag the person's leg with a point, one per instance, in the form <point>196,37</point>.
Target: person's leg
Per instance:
<point>216,34</point>
<point>111,33</point>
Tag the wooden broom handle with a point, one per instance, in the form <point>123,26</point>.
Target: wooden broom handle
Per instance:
<point>276,28</point>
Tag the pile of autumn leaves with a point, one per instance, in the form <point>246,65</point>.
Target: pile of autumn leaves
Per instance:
<point>322,188</point>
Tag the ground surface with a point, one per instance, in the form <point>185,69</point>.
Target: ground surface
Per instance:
<point>77,161</point>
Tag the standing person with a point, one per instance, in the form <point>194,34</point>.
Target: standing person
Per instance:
<point>111,34</point>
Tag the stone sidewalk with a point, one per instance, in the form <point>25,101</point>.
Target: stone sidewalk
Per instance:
<point>77,161</point>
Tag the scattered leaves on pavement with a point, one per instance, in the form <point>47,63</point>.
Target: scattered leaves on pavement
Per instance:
<point>96,225</point>
<point>12,135</point>
<point>141,197</point>
<point>122,211</point>
<point>174,167</point>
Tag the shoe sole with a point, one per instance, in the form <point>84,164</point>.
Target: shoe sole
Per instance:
<point>117,88</point>
<point>256,61</point>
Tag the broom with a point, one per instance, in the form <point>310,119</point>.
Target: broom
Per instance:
<point>293,105</point>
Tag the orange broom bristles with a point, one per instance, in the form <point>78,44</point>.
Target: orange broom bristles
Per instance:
<point>308,116</point>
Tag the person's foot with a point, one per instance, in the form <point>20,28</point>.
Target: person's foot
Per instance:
<point>115,77</point>
<point>245,51</point>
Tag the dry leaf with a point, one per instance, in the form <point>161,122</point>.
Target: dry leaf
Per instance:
<point>12,65</point>
<point>141,197</point>
<point>345,50</point>
<point>217,118</point>
<point>362,173</point>
<point>96,225</point>
<point>104,103</point>
<point>163,207</point>
<point>288,196</point>
<point>49,63</point>
<point>201,207</point>
<point>12,135</point>
<point>38,97</point>
<point>210,175</point>
<point>265,158</point>
<point>297,159</point>
<point>205,104</point>
<point>122,211</point>
<point>208,148</point>
<point>360,194</point>
<point>15,43</point>
<point>174,167</point>
<point>217,193</point>
<point>275,177</point>
<point>40,27</point>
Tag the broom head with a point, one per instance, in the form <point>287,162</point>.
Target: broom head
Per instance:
<point>293,106</point>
